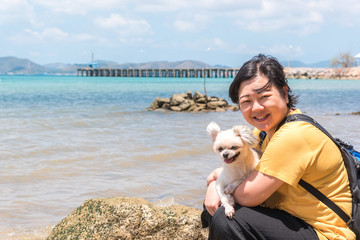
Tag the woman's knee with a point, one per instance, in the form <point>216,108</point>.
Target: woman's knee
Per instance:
<point>221,227</point>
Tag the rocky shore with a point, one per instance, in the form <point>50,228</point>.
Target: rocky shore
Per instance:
<point>129,218</point>
<point>188,102</point>
<point>323,73</point>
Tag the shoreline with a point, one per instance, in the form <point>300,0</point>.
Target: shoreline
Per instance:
<point>352,73</point>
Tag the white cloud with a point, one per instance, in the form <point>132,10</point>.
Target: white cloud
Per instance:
<point>298,16</point>
<point>79,6</point>
<point>192,22</point>
<point>113,21</point>
<point>184,25</point>
<point>218,42</point>
<point>219,26</point>
<point>278,50</point>
<point>160,5</point>
<point>49,36</point>
<point>292,17</point>
<point>124,26</point>
<point>53,34</point>
<point>12,11</point>
<point>285,50</point>
<point>346,12</point>
<point>215,6</point>
<point>82,37</point>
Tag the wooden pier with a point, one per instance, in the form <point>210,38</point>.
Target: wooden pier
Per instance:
<point>168,72</point>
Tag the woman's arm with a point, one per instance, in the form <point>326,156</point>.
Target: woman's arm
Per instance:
<point>256,188</point>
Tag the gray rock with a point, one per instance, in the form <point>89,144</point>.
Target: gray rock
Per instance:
<point>184,102</point>
<point>163,101</point>
<point>197,95</point>
<point>201,105</point>
<point>217,104</point>
<point>186,105</point>
<point>166,106</point>
<point>154,105</point>
<point>176,99</point>
<point>175,108</point>
<point>158,103</point>
<point>213,99</point>
<point>234,108</point>
<point>201,100</point>
<point>189,95</point>
<point>191,108</point>
<point>220,110</point>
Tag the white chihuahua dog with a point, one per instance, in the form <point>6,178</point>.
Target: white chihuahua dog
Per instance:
<point>235,148</point>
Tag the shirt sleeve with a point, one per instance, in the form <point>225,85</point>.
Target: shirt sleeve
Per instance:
<point>287,156</point>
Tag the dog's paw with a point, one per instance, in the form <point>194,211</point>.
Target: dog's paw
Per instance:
<point>229,189</point>
<point>232,186</point>
<point>229,212</point>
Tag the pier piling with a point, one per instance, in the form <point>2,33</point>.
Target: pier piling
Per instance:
<point>153,72</point>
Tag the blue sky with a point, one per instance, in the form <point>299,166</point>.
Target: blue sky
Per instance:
<point>226,32</point>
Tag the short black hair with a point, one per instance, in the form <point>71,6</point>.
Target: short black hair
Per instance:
<point>268,66</point>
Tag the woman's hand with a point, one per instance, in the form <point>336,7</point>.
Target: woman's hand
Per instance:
<point>212,199</point>
<point>213,176</point>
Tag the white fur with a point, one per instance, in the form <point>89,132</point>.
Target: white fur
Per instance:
<point>235,148</point>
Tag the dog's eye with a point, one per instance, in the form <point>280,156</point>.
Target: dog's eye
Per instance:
<point>220,149</point>
<point>234,147</point>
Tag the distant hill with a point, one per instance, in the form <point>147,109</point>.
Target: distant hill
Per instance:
<point>322,64</point>
<point>166,64</point>
<point>61,68</point>
<point>19,66</point>
<point>13,65</point>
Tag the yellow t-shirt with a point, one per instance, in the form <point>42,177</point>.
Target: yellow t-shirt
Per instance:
<point>300,150</point>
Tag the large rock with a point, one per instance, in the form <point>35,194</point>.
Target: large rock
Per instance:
<point>154,105</point>
<point>129,218</point>
<point>185,102</point>
<point>197,95</point>
<point>217,104</point>
<point>159,103</point>
<point>201,100</point>
<point>176,99</point>
<point>185,105</point>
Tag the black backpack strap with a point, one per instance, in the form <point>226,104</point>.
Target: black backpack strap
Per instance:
<point>307,186</point>
<point>319,195</point>
<point>306,118</point>
<point>262,136</point>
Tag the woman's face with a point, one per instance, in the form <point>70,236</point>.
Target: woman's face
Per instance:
<point>262,109</point>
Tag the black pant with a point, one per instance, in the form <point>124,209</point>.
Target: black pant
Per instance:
<point>256,223</point>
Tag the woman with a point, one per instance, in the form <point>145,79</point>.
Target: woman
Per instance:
<point>270,202</point>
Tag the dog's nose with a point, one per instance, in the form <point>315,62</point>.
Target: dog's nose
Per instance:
<point>225,155</point>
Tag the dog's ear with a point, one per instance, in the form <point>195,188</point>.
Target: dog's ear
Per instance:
<point>246,135</point>
<point>213,129</point>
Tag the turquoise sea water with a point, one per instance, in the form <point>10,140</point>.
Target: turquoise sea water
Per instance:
<point>68,139</point>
